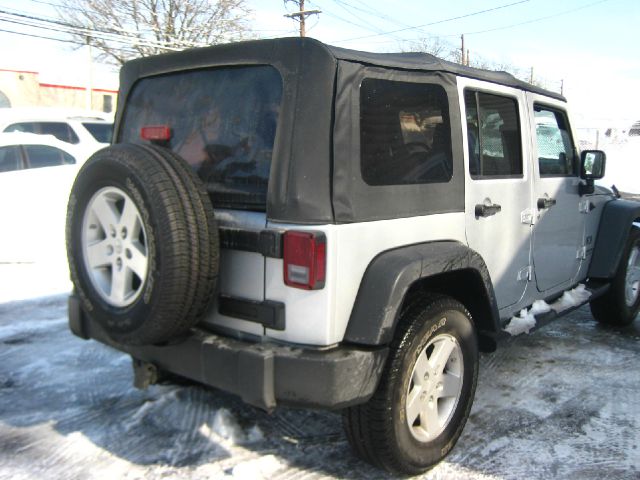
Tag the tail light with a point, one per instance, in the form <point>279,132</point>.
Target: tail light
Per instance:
<point>156,133</point>
<point>305,259</point>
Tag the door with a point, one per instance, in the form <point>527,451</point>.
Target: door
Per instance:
<point>559,228</point>
<point>498,187</point>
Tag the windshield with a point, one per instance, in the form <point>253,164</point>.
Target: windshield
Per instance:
<point>223,123</point>
<point>102,132</point>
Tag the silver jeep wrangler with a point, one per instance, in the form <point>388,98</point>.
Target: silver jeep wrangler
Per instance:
<point>307,225</point>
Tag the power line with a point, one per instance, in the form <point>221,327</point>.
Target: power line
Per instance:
<point>41,36</point>
<point>126,36</point>
<point>538,19</point>
<point>418,27</point>
<point>366,27</point>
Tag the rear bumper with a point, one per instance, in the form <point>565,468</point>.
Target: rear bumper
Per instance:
<point>262,374</point>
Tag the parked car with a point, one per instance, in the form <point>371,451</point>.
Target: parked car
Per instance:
<point>306,225</point>
<point>36,174</point>
<point>86,129</point>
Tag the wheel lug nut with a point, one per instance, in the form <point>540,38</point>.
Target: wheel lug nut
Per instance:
<point>123,232</point>
<point>127,253</point>
<point>119,263</point>
<point>112,231</point>
<point>426,376</point>
<point>109,249</point>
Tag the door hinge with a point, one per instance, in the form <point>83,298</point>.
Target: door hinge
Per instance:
<point>582,253</point>
<point>584,206</point>
<point>528,217</point>
<point>525,273</point>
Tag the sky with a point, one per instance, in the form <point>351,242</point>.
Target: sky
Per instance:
<point>588,46</point>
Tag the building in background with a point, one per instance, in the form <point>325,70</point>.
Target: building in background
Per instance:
<point>24,89</point>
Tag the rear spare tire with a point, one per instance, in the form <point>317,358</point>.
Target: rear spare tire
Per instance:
<point>142,243</point>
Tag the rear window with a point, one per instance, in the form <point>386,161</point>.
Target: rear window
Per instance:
<point>102,132</point>
<point>223,123</point>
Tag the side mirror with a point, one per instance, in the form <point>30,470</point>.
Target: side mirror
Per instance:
<point>592,166</point>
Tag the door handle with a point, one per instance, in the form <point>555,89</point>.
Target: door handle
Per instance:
<point>483,210</point>
<point>544,203</point>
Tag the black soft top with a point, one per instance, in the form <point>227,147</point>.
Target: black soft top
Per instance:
<point>270,49</point>
<point>427,62</point>
<point>315,170</point>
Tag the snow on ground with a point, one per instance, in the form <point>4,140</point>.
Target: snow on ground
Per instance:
<point>562,402</point>
<point>623,165</point>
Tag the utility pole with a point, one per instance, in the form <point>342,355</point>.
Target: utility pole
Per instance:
<point>89,91</point>
<point>531,76</point>
<point>462,60</point>
<point>301,15</point>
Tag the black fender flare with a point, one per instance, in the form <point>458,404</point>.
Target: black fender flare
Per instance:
<point>615,225</point>
<point>389,277</point>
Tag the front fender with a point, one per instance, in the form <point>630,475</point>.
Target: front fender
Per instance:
<point>615,224</point>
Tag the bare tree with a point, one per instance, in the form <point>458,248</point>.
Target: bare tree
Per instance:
<point>449,51</point>
<point>125,29</point>
<point>437,47</point>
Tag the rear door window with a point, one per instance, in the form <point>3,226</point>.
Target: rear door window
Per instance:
<point>493,131</point>
<point>10,158</point>
<point>39,156</point>
<point>223,123</point>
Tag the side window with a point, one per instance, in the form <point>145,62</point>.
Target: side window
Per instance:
<point>26,127</point>
<point>10,159</point>
<point>405,134</point>
<point>493,131</point>
<point>556,153</point>
<point>39,156</point>
<point>61,130</point>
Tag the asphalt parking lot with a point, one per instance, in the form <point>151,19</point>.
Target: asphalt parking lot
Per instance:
<point>562,402</point>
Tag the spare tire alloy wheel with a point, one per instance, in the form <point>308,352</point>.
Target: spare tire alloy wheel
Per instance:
<point>142,244</point>
<point>114,247</point>
<point>425,392</point>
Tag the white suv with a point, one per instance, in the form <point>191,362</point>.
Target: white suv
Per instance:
<point>308,225</point>
<point>86,129</point>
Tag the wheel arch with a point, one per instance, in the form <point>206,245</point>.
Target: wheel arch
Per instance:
<point>396,278</point>
<point>616,222</point>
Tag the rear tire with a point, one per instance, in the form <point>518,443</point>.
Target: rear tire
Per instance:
<point>620,304</point>
<point>142,244</point>
<point>425,393</point>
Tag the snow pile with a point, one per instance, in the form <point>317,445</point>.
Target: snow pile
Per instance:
<point>623,167</point>
<point>521,324</point>
<point>526,320</point>
<point>226,426</point>
<point>571,298</point>
<point>539,307</point>
<point>257,468</point>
